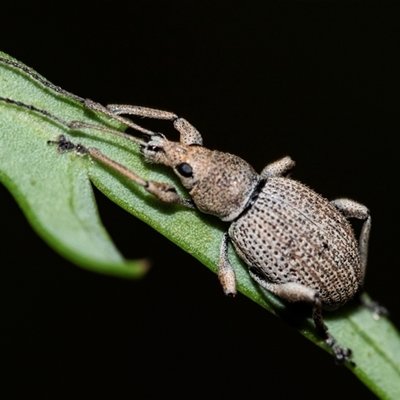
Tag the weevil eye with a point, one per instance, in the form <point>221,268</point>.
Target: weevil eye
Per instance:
<point>185,170</point>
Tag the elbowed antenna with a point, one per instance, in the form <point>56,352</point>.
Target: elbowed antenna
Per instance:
<point>35,109</point>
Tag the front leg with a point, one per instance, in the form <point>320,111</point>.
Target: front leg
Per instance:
<point>188,133</point>
<point>278,168</point>
<point>226,273</point>
<point>163,191</point>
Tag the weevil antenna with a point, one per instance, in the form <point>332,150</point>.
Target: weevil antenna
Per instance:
<point>35,109</point>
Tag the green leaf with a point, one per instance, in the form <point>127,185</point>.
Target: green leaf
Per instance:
<point>54,192</point>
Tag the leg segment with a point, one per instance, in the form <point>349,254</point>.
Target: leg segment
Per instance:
<point>145,112</point>
<point>92,105</point>
<point>226,273</point>
<point>278,168</point>
<point>352,209</point>
<point>292,292</point>
<point>295,292</point>
<point>341,354</point>
<point>163,191</point>
<point>188,133</point>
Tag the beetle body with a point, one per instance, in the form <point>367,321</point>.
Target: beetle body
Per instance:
<point>297,244</point>
<point>292,234</point>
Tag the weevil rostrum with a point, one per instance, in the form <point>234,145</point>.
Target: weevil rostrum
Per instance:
<point>296,244</point>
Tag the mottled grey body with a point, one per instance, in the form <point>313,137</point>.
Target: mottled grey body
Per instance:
<point>292,234</point>
<point>296,244</point>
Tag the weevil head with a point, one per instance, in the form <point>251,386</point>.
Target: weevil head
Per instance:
<point>219,183</point>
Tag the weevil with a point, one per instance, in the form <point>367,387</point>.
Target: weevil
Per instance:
<point>296,244</point>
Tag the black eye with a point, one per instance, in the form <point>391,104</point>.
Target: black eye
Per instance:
<point>185,170</point>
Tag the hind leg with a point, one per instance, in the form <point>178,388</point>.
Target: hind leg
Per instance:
<point>352,209</point>
<point>295,292</point>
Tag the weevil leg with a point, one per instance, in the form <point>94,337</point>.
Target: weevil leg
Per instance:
<point>278,168</point>
<point>139,111</point>
<point>189,135</point>
<point>341,354</point>
<point>226,273</point>
<point>352,209</point>
<point>294,292</point>
<point>92,105</point>
<point>163,191</point>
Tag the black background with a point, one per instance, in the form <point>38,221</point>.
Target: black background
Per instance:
<point>318,81</point>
